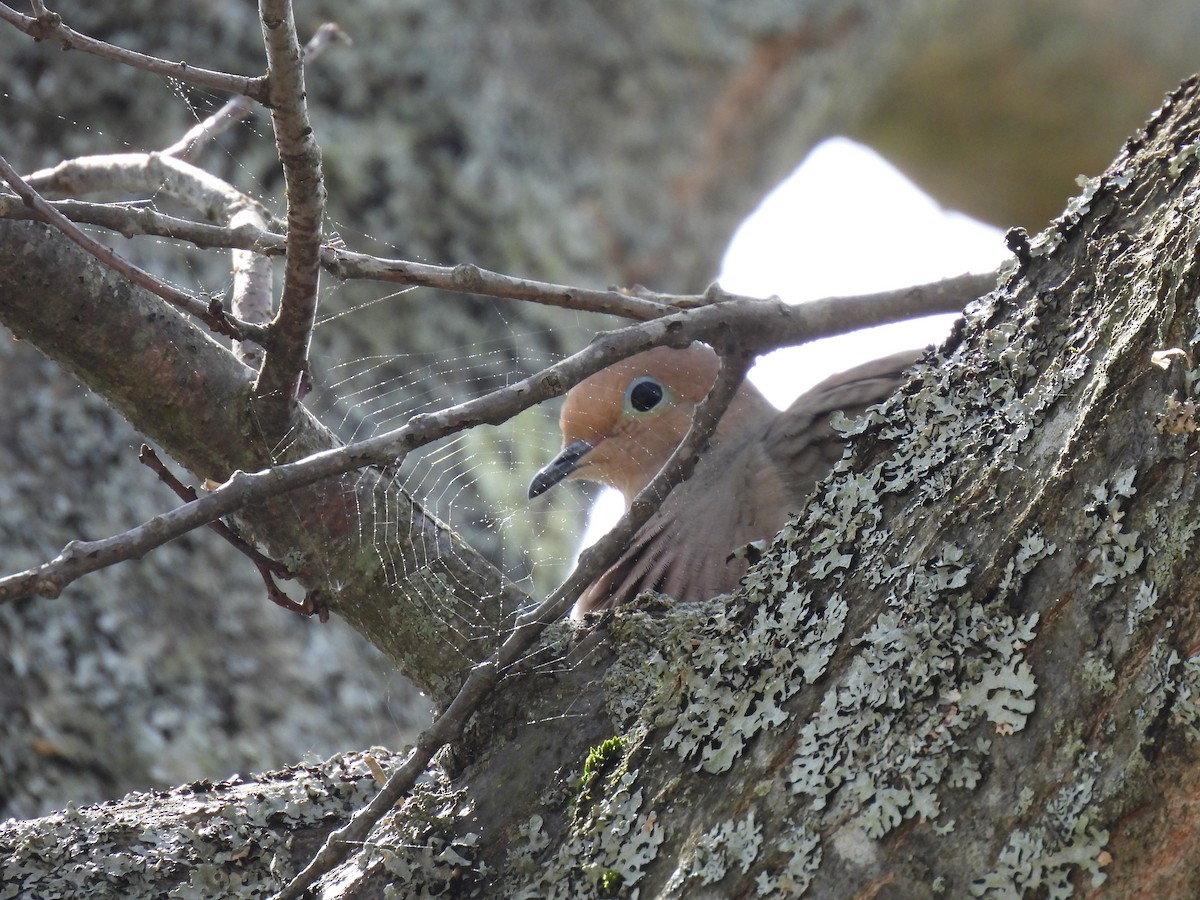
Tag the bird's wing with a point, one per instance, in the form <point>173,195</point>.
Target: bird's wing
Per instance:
<point>682,551</point>
<point>802,446</point>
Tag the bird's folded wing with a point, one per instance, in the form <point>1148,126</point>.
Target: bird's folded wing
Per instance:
<point>802,446</point>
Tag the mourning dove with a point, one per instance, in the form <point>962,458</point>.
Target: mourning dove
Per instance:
<point>620,426</point>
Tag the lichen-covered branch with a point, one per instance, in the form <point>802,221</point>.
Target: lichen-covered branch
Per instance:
<point>202,839</point>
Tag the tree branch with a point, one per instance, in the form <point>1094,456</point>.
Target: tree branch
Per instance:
<point>286,361</point>
<point>209,313</point>
<point>268,569</point>
<point>48,26</point>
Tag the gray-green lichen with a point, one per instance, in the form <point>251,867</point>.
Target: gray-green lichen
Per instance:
<point>1186,710</point>
<point>801,846</point>
<point>611,843</point>
<point>1044,856</point>
<point>198,841</point>
<point>857,749</point>
<point>420,847</point>
<point>737,679</point>
<point>725,846</point>
<point>1115,552</point>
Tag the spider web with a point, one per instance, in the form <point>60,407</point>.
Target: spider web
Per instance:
<point>380,356</point>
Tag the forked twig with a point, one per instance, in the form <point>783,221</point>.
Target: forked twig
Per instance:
<point>268,568</point>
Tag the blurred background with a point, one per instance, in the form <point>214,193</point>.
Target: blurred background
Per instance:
<point>792,149</point>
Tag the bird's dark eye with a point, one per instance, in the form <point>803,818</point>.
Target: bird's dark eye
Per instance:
<point>645,393</point>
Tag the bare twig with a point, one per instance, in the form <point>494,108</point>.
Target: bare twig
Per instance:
<point>239,107</point>
<point>48,26</point>
<point>484,676</point>
<point>269,569</point>
<point>474,280</point>
<point>948,295</point>
<point>133,218</point>
<point>209,313</point>
<point>286,362</point>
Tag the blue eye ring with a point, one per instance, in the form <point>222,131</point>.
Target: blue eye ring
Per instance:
<point>644,394</point>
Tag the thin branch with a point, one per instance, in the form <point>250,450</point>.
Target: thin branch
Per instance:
<point>484,676</point>
<point>269,569</point>
<point>134,218</point>
<point>209,313</point>
<point>947,295</point>
<point>470,279</point>
<point>286,361</point>
<point>48,26</point>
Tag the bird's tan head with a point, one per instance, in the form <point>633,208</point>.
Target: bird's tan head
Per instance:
<point>620,425</point>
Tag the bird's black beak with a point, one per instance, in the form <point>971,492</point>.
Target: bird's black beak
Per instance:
<point>559,468</point>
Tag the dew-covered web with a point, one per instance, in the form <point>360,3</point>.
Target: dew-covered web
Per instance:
<point>381,355</point>
<point>476,481</point>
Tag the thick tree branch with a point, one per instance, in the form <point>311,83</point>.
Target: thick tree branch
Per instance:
<point>251,294</point>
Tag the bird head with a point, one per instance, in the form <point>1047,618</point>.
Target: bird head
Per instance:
<point>620,425</point>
